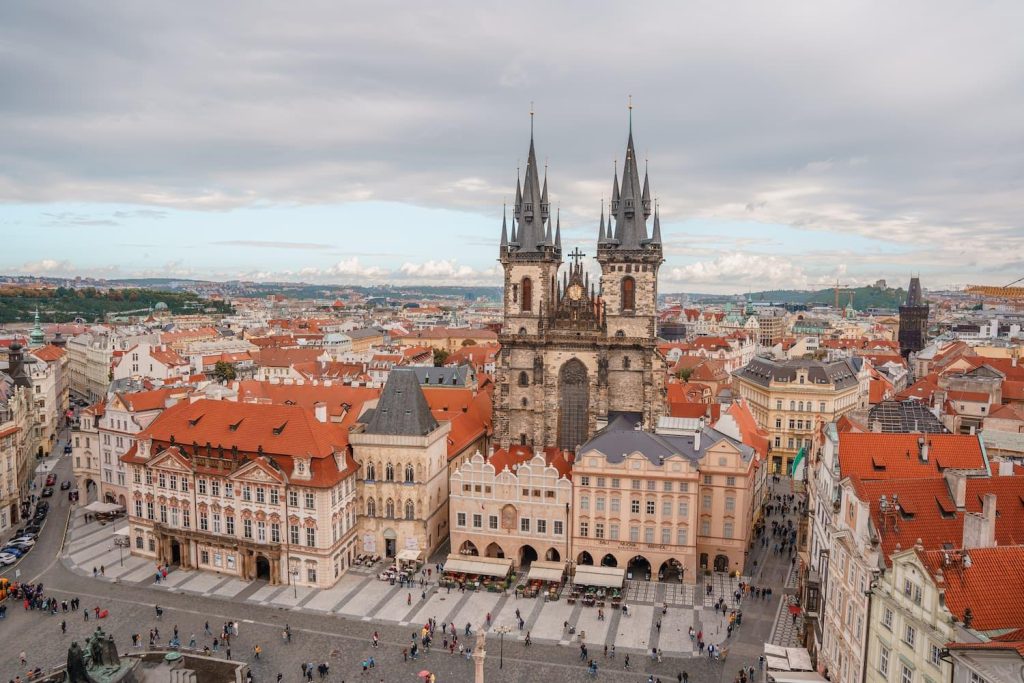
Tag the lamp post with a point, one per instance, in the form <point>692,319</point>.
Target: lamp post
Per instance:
<point>502,630</point>
<point>122,542</point>
<point>295,579</point>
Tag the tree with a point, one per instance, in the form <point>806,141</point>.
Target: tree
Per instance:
<point>684,374</point>
<point>224,371</point>
<point>469,342</point>
<point>440,357</point>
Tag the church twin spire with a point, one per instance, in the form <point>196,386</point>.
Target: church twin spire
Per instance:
<point>535,231</point>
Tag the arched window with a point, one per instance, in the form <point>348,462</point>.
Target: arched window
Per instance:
<point>628,294</point>
<point>524,379</point>
<point>371,472</point>
<point>371,508</point>
<point>527,304</point>
<point>389,509</point>
<point>389,472</point>
<point>522,330</point>
<point>792,405</point>
<point>620,333</point>
<point>524,402</point>
<point>409,475</point>
<point>410,510</point>
<point>801,404</point>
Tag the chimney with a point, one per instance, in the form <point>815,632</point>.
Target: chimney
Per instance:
<point>957,483</point>
<point>922,448</point>
<point>988,511</point>
<point>980,529</point>
<point>1005,468</point>
<point>320,410</point>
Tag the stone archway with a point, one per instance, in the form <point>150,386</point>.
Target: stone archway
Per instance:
<point>494,550</point>
<point>721,563</point>
<point>527,555</point>
<point>552,555</point>
<point>574,405</point>
<point>671,570</point>
<point>585,558</point>
<point>609,560</point>
<point>639,569</point>
<point>262,567</point>
<point>468,548</point>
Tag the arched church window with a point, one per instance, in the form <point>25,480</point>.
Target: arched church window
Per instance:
<point>527,304</point>
<point>524,379</point>
<point>371,508</point>
<point>522,330</point>
<point>409,474</point>
<point>389,509</point>
<point>371,472</point>
<point>389,472</point>
<point>628,294</point>
<point>620,333</point>
<point>410,510</point>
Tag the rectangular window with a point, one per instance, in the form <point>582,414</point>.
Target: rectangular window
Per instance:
<point>909,635</point>
<point>977,678</point>
<point>613,532</point>
<point>275,497</point>
<point>906,675</point>
<point>478,521</point>
<point>204,522</point>
<point>651,485</point>
<point>460,519</point>
<point>138,508</point>
<point>524,525</point>
<point>136,475</point>
<point>708,479</point>
<point>598,530</point>
<point>174,482</point>
<point>556,527</point>
<point>730,504</point>
<point>615,503</point>
<point>681,537</point>
<point>492,522</point>
<point>216,522</point>
<point>184,484</point>
<point>261,494</point>
<point>584,502</point>
<point>214,488</point>
<point>229,490</point>
<point>246,492</point>
<point>935,656</point>
<point>293,499</point>
<point>600,482</point>
<point>311,574</point>
<point>542,526</point>
<point>311,537</point>
<point>887,618</point>
<point>310,500</point>
<point>599,504</point>
<point>668,486</point>
<point>275,532</point>
<point>293,533</point>
<point>247,528</point>
<point>684,508</point>
<point>584,529</point>
<point>650,507</point>
<point>229,525</point>
<point>730,481</point>
<point>705,527</point>
<point>636,484</point>
<point>706,502</point>
<point>727,530</point>
<point>201,486</point>
<point>634,534</point>
<point>161,479</point>
<point>584,481</point>
<point>186,518</point>
<point>634,506</point>
<point>616,483</point>
<point>666,508</point>
<point>666,535</point>
<point>204,557</point>
<point>163,514</point>
<point>883,660</point>
<point>649,535</point>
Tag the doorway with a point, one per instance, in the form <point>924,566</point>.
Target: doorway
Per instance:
<point>262,568</point>
<point>175,552</point>
<point>389,547</point>
<point>721,563</point>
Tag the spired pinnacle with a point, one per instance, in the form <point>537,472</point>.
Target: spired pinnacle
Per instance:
<point>504,227</point>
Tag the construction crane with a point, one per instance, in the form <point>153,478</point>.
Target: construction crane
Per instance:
<point>1005,292</point>
<point>837,287</point>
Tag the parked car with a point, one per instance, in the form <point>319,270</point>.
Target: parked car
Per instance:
<point>12,550</point>
<point>65,485</point>
<point>43,505</point>
<point>33,529</point>
<point>47,492</point>
<point>67,449</point>
<point>6,559</point>
<point>51,479</point>
<point>27,541</point>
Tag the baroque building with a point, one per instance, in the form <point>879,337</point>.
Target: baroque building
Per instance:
<point>577,353</point>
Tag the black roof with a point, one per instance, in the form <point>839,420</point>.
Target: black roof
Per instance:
<point>841,373</point>
<point>903,417</point>
<point>402,409</point>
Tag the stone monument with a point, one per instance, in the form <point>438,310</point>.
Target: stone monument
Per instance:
<point>99,662</point>
<point>479,654</point>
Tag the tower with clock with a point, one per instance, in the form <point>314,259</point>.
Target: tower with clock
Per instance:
<point>577,353</point>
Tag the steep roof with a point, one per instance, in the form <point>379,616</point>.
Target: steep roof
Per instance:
<point>403,409</point>
<point>762,371</point>
<point>895,456</point>
<point>990,585</point>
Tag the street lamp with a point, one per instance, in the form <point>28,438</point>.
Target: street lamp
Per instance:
<point>295,579</point>
<point>501,631</point>
<point>122,542</point>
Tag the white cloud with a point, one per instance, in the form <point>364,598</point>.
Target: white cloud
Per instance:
<point>45,267</point>
<point>351,267</point>
<point>740,270</point>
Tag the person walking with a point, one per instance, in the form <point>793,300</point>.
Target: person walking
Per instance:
<point>256,650</point>
<point>63,627</point>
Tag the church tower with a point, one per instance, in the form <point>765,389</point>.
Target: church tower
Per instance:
<point>573,356</point>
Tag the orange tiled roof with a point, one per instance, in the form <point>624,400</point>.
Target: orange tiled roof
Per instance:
<point>1013,390</point>
<point>336,397</point>
<point>517,455</point>
<point>895,456</point>
<point>49,353</point>
<point>752,435</point>
<point>922,389</point>
<point>167,356</point>
<point>990,587</point>
<point>142,401</point>
<point>968,396</point>
<point>277,357</point>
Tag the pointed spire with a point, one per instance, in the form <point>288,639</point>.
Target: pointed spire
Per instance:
<point>504,227</point>
<point>514,238</point>
<point>646,196</point>
<point>544,205</point>
<point>558,230</point>
<point>656,235</point>
<point>600,227</point>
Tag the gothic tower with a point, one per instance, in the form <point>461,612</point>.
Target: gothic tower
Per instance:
<point>913,332</point>
<point>573,357</point>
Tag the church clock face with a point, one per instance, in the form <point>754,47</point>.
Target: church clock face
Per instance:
<point>575,292</point>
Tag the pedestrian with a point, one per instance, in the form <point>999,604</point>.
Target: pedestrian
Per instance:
<point>405,651</point>
<point>206,628</point>
<point>63,627</point>
<point>227,653</point>
<point>279,676</point>
<point>21,656</point>
<point>625,662</point>
<point>256,650</point>
<point>103,570</point>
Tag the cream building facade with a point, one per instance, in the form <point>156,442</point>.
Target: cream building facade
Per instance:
<point>792,398</point>
<point>18,443</point>
<point>514,503</point>
<point>664,505</point>
<point>402,453</point>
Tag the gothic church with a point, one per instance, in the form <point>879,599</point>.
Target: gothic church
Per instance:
<point>576,354</point>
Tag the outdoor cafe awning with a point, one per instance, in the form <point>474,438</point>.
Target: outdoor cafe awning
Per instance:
<point>100,507</point>
<point>482,566</point>
<point>602,577</point>
<point>409,555</point>
<point>546,571</point>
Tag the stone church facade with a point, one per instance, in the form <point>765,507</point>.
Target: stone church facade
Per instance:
<point>577,353</point>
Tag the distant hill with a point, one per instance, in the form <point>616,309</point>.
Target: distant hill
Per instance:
<point>64,304</point>
<point>863,297</point>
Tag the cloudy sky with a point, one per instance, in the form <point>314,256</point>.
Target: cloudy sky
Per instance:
<point>789,144</point>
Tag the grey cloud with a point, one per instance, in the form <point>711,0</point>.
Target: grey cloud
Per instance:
<point>898,121</point>
<point>267,244</point>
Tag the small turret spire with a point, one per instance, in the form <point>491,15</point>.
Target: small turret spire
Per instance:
<point>600,227</point>
<point>504,227</point>
<point>656,234</point>
<point>558,229</point>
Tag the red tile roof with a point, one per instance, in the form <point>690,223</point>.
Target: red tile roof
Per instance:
<point>991,587</point>
<point>49,353</point>
<point>750,433</point>
<point>336,397</point>
<point>167,356</point>
<point>922,389</point>
<point>517,455</point>
<point>968,396</point>
<point>276,357</point>
<point>1013,390</point>
<point>142,401</point>
<point>895,456</point>
<point>470,415</point>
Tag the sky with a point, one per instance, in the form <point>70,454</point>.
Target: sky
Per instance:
<point>789,144</point>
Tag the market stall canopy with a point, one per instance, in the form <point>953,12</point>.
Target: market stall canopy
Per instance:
<point>409,555</point>
<point>123,531</point>
<point>546,571</point>
<point>483,566</point>
<point>602,577</point>
<point>100,507</point>
<point>796,677</point>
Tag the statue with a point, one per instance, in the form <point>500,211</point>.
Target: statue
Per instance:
<point>76,664</point>
<point>602,370</point>
<point>538,369</point>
